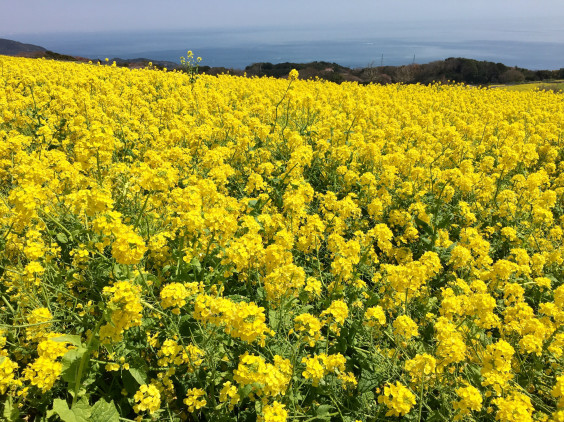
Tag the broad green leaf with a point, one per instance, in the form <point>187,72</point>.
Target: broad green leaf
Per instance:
<point>323,410</point>
<point>196,264</point>
<point>424,226</point>
<point>80,412</point>
<point>245,391</point>
<point>71,362</point>
<point>273,317</point>
<point>61,237</point>
<point>129,383</point>
<point>121,271</point>
<point>61,408</point>
<point>368,381</point>
<point>104,411</point>
<point>11,412</point>
<point>74,340</point>
<point>139,375</point>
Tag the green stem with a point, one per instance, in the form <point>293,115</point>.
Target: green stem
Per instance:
<point>63,228</point>
<point>83,361</point>
<point>141,212</point>
<point>421,398</point>
<point>29,325</point>
<point>8,304</point>
<point>337,406</point>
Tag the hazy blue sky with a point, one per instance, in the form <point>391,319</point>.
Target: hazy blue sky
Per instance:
<point>40,16</point>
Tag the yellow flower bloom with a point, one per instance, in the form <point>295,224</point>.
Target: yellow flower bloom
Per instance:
<point>405,327</point>
<point>147,398</point>
<point>398,398</point>
<point>194,399</point>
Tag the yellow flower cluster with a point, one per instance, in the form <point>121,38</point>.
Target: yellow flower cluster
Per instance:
<point>266,379</point>
<point>308,328</point>
<point>516,407</point>
<point>174,295</point>
<point>318,366</point>
<point>374,316</point>
<point>229,393</point>
<point>44,371</point>
<point>496,368</point>
<point>421,368</point>
<point>470,400</point>
<point>194,399</point>
<point>398,398</point>
<point>8,374</point>
<point>274,412</point>
<point>147,398</point>
<point>125,306</point>
<point>242,320</point>
<point>38,321</point>
<point>405,327</point>
<point>335,315</point>
<point>173,354</point>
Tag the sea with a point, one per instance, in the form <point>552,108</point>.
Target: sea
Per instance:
<point>529,44</point>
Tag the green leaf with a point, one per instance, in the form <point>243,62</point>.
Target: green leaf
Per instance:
<point>245,391</point>
<point>11,412</point>
<point>104,411</point>
<point>323,411</point>
<point>139,375</point>
<point>424,226</point>
<point>129,383</point>
<point>258,407</point>
<point>61,408</point>
<point>551,277</point>
<point>120,271</point>
<point>427,241</point>
<point>74,340</point>
<point>443,223</point>
<point>196,264</point>
<point>273,318</point>
<point>62,238</point>
<point>71,362</point>
<point>451,247</point>
<point>368,381</point>
<point>80,412</point>
<point>261,294</point>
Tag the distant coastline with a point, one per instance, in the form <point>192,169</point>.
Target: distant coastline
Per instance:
<point>452,69</point>
<point>523,43</point>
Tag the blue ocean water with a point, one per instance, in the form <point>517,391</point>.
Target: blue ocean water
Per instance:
<point>533,45</point>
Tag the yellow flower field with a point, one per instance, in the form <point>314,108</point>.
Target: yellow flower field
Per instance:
<point>229,249</point>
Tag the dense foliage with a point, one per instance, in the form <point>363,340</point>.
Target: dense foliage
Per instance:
<point>226,248</point>
<point>450,70</point>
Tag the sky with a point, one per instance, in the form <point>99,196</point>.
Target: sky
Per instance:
<point>233,33</point>
<point>50,16</point>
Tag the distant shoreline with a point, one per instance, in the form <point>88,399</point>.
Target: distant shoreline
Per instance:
<point>452,69</point>
<point>529,45</point>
